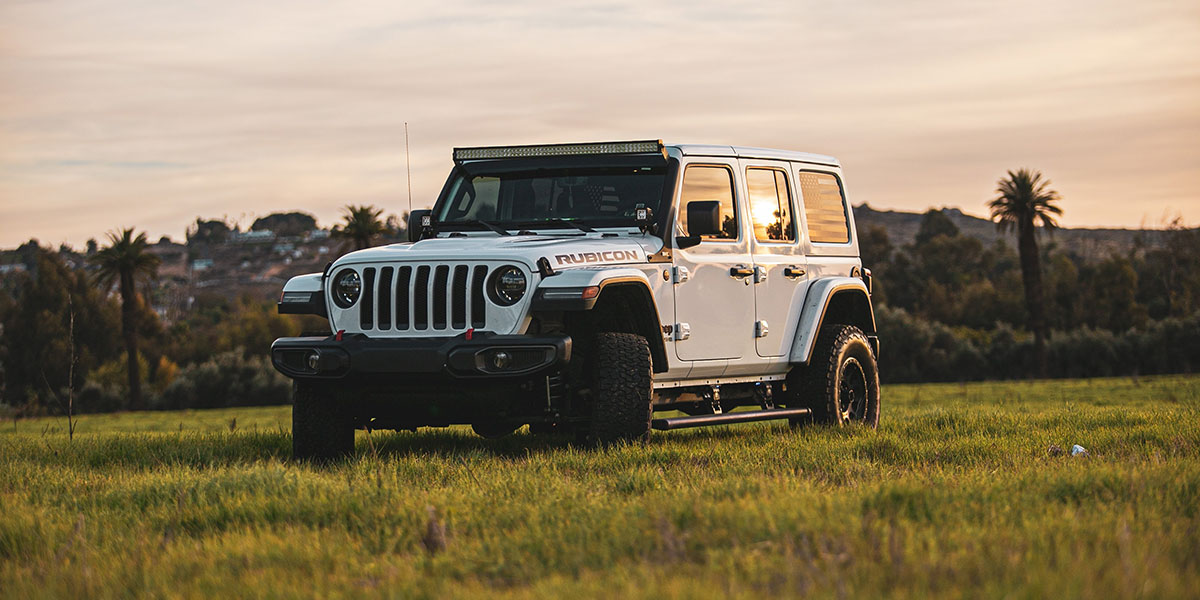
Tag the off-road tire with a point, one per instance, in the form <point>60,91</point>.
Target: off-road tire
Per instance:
<point>840,385</point>
<point>543,428</point>
<point>493,430</point>
<point>619,373</point>
<point>322,426</point>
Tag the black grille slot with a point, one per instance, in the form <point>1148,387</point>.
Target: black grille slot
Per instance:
<point>427,298</point>
<point>403,277</point>
<point>366,308</point>
<point>458,298</point>
<point>478,310</point>
<point>440,276</point>
<point>421,298</point>
<point>385,298</point>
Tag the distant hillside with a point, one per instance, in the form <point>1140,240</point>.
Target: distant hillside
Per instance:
<point>1089,243</point>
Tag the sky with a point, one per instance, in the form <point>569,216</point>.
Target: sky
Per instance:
<point>149,114</point>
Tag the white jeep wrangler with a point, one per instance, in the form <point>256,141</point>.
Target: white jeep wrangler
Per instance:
<point>583,287</point>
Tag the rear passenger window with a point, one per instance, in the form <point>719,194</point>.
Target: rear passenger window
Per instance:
<point>710,183</point>
<point>824,207</point>
<point>770,205</point>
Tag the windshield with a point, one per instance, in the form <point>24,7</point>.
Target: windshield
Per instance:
<point>593,196</point>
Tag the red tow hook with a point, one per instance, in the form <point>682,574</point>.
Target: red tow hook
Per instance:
<point>338,336</point>
<point>470,333</point>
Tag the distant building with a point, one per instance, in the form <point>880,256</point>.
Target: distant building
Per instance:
<point>248,237</point>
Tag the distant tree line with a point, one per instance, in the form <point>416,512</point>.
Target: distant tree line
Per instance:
<point>950,308</point>
<point>80,331</point>
<point>213,357</point>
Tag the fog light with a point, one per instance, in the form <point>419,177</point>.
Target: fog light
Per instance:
<point>501,360</point>
<point>314,360</point>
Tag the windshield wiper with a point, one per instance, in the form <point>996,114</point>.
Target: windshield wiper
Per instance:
<point>559,221</point>
<point>496,228</point>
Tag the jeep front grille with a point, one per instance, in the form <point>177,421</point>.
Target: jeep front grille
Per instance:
<point>423,297</point>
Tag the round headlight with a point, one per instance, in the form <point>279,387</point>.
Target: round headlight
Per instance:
<point>508,285</point>
<point>347,286</point>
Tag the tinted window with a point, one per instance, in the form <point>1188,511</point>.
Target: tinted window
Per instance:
<point>824,208</point>
<point>600,196</point>
<point>770,205</point>
<point>710,183</point>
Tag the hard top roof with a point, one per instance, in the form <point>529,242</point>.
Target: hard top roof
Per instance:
<point>536,151</point>
<point>751,152</point>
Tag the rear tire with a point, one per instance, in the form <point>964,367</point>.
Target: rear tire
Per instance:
<point>322,426</point>
<point>542,428</point>
<point>841,382</point>
<point>619,371</point>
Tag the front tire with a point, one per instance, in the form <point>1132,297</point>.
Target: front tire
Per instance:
<point>493,430</point>
<point>841,382</point>
<point>620,388</point>
<point>322,427</point>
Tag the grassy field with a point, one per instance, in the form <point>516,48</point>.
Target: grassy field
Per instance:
<point>955,495</point>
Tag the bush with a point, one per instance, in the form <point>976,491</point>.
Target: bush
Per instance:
<point>1167,346</point>
<point>226,379</point>
<point>107,387</point>
<point>913,349</point>
<point>916,350</point>
<point>96,397</point>
<point>115,373</point>
<point>1087,352</point>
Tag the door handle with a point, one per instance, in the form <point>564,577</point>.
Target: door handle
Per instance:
<point>793,272</point>
<point>740,271</point>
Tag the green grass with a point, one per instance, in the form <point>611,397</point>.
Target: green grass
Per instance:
<point>954,496</point>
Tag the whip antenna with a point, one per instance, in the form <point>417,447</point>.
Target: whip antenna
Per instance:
<point>408,167</point>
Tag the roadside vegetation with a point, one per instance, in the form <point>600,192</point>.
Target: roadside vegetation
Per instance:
<point>965,490</point>
<point>82,333</point>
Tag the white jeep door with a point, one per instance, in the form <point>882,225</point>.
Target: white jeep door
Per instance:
<point>780,266</point>
<point>714,308</point>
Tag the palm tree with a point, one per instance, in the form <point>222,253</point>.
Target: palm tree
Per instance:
<point>124,261</point>
<point>362,225</point>
<point>1025,203</point>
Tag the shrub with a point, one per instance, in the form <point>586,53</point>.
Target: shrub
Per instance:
<point>115,373</point>
<point>1168,346</point>
<point>96,397</point>
<point>913,349</point>
<point>917,350</point>
<point>226,379</point>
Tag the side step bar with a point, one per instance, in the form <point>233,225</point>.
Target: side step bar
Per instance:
<point>727,418</point>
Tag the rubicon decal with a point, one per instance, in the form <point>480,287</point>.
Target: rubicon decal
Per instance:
<point>583,258</point>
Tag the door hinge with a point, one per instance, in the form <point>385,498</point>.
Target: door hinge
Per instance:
<point>683,331</point>
<point>681,274</point>
<point>760,274</point>
<point>760,329</point>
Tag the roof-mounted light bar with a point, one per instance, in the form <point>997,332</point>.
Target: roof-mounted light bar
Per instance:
<point>539,150</point>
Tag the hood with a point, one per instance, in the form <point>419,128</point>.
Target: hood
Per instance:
<point>563,251</point>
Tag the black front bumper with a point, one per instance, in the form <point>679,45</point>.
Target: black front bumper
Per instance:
<point>357,355</point>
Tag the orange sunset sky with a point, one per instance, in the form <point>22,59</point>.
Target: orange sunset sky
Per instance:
<point>148,113</point>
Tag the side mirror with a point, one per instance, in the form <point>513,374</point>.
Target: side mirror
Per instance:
<point>703,218</point>
<point>419,221</point>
